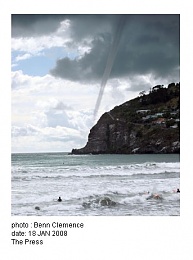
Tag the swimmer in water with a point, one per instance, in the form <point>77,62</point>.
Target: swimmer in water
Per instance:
<point>59,199</point>
<point>177,191</point>
<point>154,196</point>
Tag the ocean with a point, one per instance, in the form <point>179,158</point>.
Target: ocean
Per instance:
<point>95,185</point>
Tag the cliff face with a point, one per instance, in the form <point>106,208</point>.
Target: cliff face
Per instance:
<point>146,124</point>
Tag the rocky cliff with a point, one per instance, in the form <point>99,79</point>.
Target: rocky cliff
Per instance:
<point>146,124</point>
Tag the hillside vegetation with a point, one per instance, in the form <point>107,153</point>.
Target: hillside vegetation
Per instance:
<point>150,123</point>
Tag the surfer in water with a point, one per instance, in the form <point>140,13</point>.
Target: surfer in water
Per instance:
<point>59,199</point>
<point>177,190</point>
<point>154,196</point>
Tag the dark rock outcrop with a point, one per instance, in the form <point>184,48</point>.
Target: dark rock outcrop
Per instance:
<point>146,124</point>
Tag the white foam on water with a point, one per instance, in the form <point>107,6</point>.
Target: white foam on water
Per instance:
<point>88,178</point>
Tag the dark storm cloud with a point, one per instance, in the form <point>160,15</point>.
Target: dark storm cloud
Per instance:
<point>148,44</point>
<point>90,67</point>
<point>29,25</point>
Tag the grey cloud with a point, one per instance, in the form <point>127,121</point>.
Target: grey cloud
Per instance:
<point>29,25</point>
<point>138,84</point>
<point>23,131</point>
<point>61,106</point>
<point>55,119</point>
<point>90,67</point>
<point>149,44</point>
<point>88,25</point>
<point>31,131</point>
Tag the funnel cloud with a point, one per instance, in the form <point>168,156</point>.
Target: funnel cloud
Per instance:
<point>110,61</point>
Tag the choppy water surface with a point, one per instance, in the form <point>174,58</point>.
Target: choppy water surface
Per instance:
<point>92,185</point>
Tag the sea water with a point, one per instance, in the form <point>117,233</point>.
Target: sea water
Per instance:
<point>95,185</point>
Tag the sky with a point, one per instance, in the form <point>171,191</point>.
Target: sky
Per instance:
<point>60,63</point>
